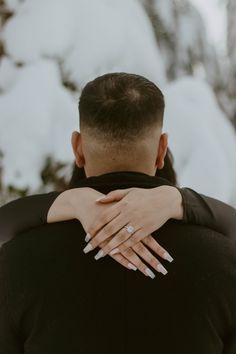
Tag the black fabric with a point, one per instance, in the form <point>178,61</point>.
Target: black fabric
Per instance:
<point>24,213</point>
<point>31,211</point>
<point>54,299</point>
<point>203,210</point>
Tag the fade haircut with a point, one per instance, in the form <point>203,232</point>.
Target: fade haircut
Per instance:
<point>121,106</point>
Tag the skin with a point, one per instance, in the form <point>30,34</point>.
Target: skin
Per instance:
<point>106,221</point>
<point>145,155</point>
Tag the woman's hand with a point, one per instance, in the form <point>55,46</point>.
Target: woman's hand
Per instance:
<point>80,203</point>
<point>137,214</point>
<point>131,258</point>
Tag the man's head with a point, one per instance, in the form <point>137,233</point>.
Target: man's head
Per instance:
<point>121,117</point>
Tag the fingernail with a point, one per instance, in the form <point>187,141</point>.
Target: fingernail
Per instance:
<point>168,257</point>
<point>150,273</point>
<point>161,269</point>
<point>88,248</point>
<point>131,266</point>
<point>99,255</point>
<point>88,237</point>
<point>100,198</point>
<point>116,250</point>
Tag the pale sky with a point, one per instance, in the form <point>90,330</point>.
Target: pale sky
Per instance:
<point>214,12</point>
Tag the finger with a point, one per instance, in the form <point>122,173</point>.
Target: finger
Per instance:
<point>106,232</point>
<point>120,258</point>
<point>113,196</point>
<point>157,248</point>
<point>137,262</point>
<point>101,221</point>
<point>115,228</point>
<point>124,261</point>
<point>136,237</point>
<point>112,247</point>
<point>143,252</point>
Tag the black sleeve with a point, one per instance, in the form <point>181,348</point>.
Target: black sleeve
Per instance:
<point>24,213</point>
<point>9,338</point>
<point>202,210</point>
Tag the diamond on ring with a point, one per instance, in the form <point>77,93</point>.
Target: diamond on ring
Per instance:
<point>130,229</point>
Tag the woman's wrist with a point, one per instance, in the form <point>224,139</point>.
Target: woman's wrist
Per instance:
<point>178,209</point>
<point>71,204</point>
<point>61,209</point>
<point>75,200</point>
<point>66,205</point>
<point>172,201</point>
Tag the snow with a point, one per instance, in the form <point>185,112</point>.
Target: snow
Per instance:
<point>184,40</point>
<point>106,26</point>
<point>202,139</point>
<point>13,5</point>
<point>39,116</point>
<point>214,14</point>
<point>84,39</point>
<point>165,10</point>
<point>8,74</point>
<point>43,111</point>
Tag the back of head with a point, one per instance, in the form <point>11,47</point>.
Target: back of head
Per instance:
<point>121,117</point>
<point>121,107</point>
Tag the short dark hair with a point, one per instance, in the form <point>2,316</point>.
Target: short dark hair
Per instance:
<point>121,106</point>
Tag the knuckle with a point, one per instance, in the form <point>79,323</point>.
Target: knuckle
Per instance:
<point>128,252</point>
<point>109,229</point>
<point>153,262</point>
<point>104,219</point>
<point>159,249</point>
<point>136,238</point>
<point>142,267</point>
<point>121,237</point>
<point>129,243</point>
<point>149,239</point>
<point>123,246</point>
<point>138,248</point>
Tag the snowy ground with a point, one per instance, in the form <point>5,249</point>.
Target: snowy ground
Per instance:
<point>38,114</point>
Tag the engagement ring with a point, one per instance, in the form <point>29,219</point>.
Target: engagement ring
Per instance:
<point>130,229</point>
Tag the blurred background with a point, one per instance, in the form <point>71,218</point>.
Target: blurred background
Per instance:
<point>49,49</point>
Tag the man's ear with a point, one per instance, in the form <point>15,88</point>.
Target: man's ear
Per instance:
<point>162,150</point>
<point>76,143</point>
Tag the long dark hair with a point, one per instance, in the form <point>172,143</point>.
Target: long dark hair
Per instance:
<point>167,172</point>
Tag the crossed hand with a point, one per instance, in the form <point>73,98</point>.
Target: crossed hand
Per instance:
<point>124,221</point>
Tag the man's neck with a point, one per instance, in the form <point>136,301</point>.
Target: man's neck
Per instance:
<point>101,170</point>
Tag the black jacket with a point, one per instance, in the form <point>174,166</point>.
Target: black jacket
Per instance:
<point>54,299</point>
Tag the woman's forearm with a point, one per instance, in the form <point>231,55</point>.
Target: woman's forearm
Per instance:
<point>24,213</point>
<point>62,208</point>
<point>72,204</point>
<point>177,203</point>
<point>191,207</point>
<point>206,211</point>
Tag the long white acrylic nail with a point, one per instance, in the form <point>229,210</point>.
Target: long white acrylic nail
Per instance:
<point>116,250</point>
<point>131,266</point>
<point>99,255</point>
<point>168,257</point>
<point>161,269</point>
<point>88,237</point>
<point>88,248</point>
<point>100,198</point>
<point>150,273</point>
